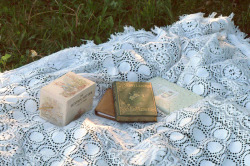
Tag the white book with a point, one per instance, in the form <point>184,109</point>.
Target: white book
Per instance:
<point>170,97</point>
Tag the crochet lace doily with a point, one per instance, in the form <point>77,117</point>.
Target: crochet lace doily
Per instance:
<point>206,55</point>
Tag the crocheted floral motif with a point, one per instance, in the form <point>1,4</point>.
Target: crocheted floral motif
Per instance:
<point>232,72</point>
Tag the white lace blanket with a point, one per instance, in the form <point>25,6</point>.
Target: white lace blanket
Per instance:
<point>206,55</point>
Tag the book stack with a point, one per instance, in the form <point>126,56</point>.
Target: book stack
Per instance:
<point>137,101</point>
<point>128,102</point>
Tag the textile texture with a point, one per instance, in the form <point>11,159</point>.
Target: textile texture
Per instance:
<point>207,55</point>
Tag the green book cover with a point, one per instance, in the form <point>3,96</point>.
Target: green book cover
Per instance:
<point>170,97</point>
<point>134,101</point>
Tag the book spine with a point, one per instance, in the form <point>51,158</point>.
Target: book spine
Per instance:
<point>114,89</point>
<point>136,119</point>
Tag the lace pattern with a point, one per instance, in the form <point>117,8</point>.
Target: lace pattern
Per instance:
<point>208,56</point>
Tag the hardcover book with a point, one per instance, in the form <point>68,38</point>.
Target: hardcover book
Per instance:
<point>170,97</point>
<point>134,102</point>
<point>105,107</point>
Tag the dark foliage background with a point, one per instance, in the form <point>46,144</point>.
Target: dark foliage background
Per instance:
<point>30,30</point>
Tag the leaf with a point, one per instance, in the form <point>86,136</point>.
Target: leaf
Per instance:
<point>21,38</point>
<point>33,53</point>
<point>5,57</point>
<point>98,40</point>
<point>110,21</point>
<point>104,10</point>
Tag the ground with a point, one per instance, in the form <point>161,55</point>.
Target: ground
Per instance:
<point>30,30</point>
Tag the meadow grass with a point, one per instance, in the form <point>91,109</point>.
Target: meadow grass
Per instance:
<point>29,28</point>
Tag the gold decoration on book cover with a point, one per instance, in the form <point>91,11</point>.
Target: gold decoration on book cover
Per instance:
<point>136,100</point>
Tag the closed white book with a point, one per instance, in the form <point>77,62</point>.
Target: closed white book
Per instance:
<point>170,97</point>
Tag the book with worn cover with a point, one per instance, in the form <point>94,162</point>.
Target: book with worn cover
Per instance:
<point>170,97</point>
<point>134,102</point>
<point>66,98</point>
<point>105,107</point>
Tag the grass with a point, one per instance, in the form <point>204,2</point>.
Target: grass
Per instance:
<point>30,30</point>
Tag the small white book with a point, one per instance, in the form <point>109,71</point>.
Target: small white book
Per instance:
<point>170,97</point>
